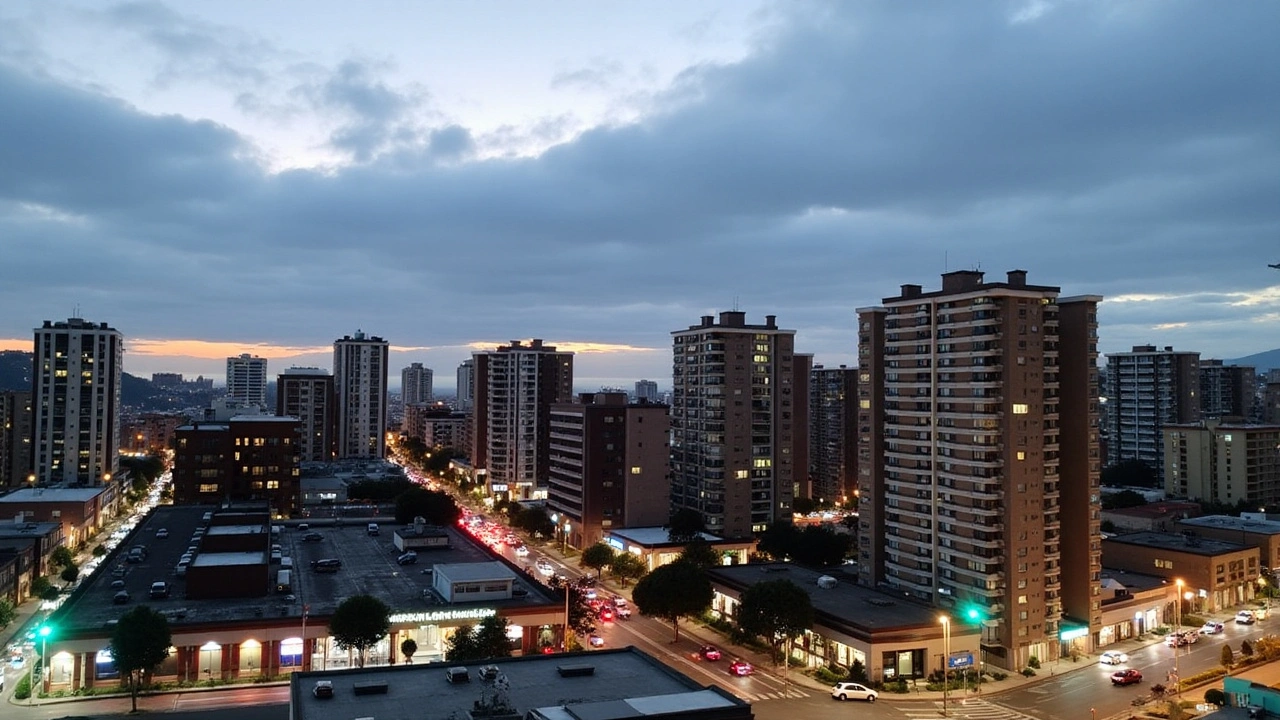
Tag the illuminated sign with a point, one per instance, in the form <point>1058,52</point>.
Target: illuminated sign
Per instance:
<point>436,616</point>
<point>1073,633</point>
<point>615,543</point>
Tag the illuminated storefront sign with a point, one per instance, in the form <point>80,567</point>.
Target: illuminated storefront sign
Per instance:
<point>436,616</point>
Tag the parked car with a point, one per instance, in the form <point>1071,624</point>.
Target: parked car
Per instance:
<point>329,565</point>
<point>1211,628</point>
<point>312,537</point>
<point>709,652</point>
<point>1245,617</point>
<point>1126,677</point>
<point>159,590</point>
<point>741,668</point>
<point>121,597</point>
<point>408,558</point>
<point>323,689</point>
<point>1113,657</point>
<point>853,691</point>
<point>162,533</point>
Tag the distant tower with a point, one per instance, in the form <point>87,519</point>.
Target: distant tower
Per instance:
<point>76,401</point>
<point>415,384</point>
<point>1147,389</point>
<point>646,391</point>
<point>833,437</point>
<point>247,379</point>
<point>466,386</point>
<point>360,384</point>
<point>307,394</point>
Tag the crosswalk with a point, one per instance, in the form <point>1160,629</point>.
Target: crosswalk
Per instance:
<point>758,697</point>
<point>968,709</point>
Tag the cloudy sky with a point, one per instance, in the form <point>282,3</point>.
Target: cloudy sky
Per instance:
<point>239,176</point>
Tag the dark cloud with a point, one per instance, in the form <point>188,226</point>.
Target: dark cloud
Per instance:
<point>1107,148</point>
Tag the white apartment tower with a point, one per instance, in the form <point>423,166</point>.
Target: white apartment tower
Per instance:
<point>76,401</point>
<point>360,387</point>
<point>1147,389</point>
<point>247,379</point>
<point>415,384</point>
<point>466,386</point>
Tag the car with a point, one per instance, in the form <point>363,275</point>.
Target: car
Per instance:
<point>323,689</point>
<point>589,594</point>
<point>1212,628</point>
<point>162,533</point>
<point>304,527</point>
<point>596,641</point>
<point>522,551</point>
<point>741,668</point>
<point>159,590</point>
<point>853,691</point>
<point>606,614</point>
<point>1113,657</point>
<point>1126,677</point>
<point>408,558</point>
<point>709,652</point>
<point>619,601</point>
<point>1176,639</point>
<point>326,565</point>
<point>623,612</point>
<point>544,567</point>
<point>372,529</point>
<point>117,584</point>
<point>1245,617</point>
<point>121,597</point>
<point>1190,636</point>
<point>312,537</point>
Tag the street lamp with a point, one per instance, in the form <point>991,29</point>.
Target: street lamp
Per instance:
<point>44,633</point>
<point>564,544</point>
<point>946,657</point>
<point>1176,643</point>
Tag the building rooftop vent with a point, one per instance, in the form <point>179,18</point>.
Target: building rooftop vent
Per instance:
<point>580,670</point>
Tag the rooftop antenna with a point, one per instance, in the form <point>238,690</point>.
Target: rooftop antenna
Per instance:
<point>735,303</point>
<point>946,261</point>
<point>75,311</point>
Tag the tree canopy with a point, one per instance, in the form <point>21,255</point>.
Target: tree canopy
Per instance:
<point>408,647</point>
<point>436,507</point>
<point>1133,473</point>
<point>378,489</point>
<point>61,556</point>
<point>582,617</point>
<point>359,623</point>
<point>699,552</point>
<point>1122,499</point>
<point>140,641</point>
<point>626,566</point>
<point>597,557</point>
<point>685,524</point>
<point>673,591</point>
<point>533,520</point>
<point>480,642</point>
<point>814,546</point>
<point>775,610</point>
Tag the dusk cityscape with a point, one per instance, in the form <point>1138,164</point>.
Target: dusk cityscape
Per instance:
<point>707,360</point>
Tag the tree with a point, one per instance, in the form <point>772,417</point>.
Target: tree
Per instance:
<point>685,524</point>
<point>673,591</point>
<point>62,557</point>
<point>1133,473</point>
<point>140,641</point>
<point>858,672</point>
<point>534,521</point>
<point>699,552</point>
<point>462,645</point>
<point>582,617</point>
<point>1123,499</point>
<point>626,566</point>
<point>819,546</point>
<point>7,613</point>
<point>778,540</point>
<point>359,623</point>
<point>69,574</point>
<point>1246,648</point>
<point>777,610</point>
<point>1227,658</point>
<point>597,557</point>
<point>42,588</point>
<point>491,638</point>
<point>408,648</point>
<point>436,507</point>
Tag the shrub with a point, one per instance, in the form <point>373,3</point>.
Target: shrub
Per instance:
<point>897,686</point>
<point>1193,620</point>
<point>858,672</point>
<point>22,690</point>
<point>1028,672</point>
<point>997,675</point>
<point>1214,696</point>
<point>829,675</point>
<point>1246,648</point>
<point>1203,677</point>
<point>1033,662</point>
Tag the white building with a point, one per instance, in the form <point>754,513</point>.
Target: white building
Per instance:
<point>247,379</point>
<point>76,401</point>
<point>360,385</point>
<point>466,386</point>
<point>415,384</point>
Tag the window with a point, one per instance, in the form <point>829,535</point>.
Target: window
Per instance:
<point>740,474</point>
<point>1022,455</point>
<point>209,488</point>
<point>1164,564</point>
<point>1022,599</point>
<point>635,470</point>
<point>1019,408</point>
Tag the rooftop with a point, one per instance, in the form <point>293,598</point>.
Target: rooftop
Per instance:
<point>1195,545</point>
<point>1262,527</point>
<point>53,494</point>
<point>650,536</point>
<point>475,572</point>
<point>1132,581</point>
<point>621,683</point>
<point>1157,509</point>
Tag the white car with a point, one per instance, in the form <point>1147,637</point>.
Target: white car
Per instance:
<point>1211,628</point>
<point>522,551</point>
<point>1245,617</point>
<point>1113,657</point>
<point>544,567</point>
<point>853,691</point>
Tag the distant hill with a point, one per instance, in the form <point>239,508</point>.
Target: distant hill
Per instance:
<point>138,394</point>
<point>1263,361</point>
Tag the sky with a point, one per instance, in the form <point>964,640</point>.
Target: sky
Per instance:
<point>219,178</point>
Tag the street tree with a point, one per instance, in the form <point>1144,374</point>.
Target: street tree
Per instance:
<point>777,610</point>
<point>685,524</point>
<point>673,591</point>
<point>359,623</point>
<point>436,507</point>
<point>69,574</point>
<point>462,645</point>
<point>699,552</point>
<point>1227,658</point>
<point>7,613</point>
<point>62,557</point>
<point>626,566</point>
<point>534,520</point>
<point>140,641</point>
<point>582,617</point>
<point>597,557</point>
<point>408,648</point>
<point>491,637</point>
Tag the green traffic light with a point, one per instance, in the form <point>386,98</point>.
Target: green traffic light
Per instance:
<point>45,631</point>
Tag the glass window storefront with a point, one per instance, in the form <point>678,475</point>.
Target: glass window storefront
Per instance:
<point>104,666</point>
<point>904,664</point>
<point>250,657</point>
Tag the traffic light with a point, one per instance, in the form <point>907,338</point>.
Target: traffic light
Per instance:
<point>974,613</point>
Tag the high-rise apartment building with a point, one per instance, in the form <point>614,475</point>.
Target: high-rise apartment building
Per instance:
<point>1146,390</point>
<point>307,394</point>
<point>360,387</point>
<point>1227,391</point>
<point>1221,462</point>
<point>609,461</point>
<point>833,437</point>
<point>415,385</point>
<point>978,454</point>
<point>466,379</point>
<point>515,387</point>
<point>739,421</point>
<point>15,438</point>
<point>646,391</point>
<point>76,402</point>
<point>247,379</point>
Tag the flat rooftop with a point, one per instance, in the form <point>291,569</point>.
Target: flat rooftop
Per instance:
<point>1262,527</point>
<point>1176,542</point>
<point>53,494</point>
<point>1134,581</point>
<point>653,536</point>
<point>848,603</point>
<point>624,683</point>
<point>368,566</point>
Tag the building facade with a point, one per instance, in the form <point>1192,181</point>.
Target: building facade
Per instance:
<point>977,415</point>
<point>833,437</point>
<point>360,388</point>
<point>248,459</point>
<point>415,384</point>
<point>515,387</point>
<point>739,421</point>
<point>1227,391</point>
<point>1213,575</point>
<point>247,379</point>
<point>15,438</point>
<point>609,465</point>
<point>646,391</point>
<point>76,402</point>
<point>1221,462</point>
<point>1146,390</point>
<point>466,379</point>
<point>307,394</point>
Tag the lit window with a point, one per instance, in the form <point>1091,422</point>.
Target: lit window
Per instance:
<point>1019,409</point>
<point>1022,455</point>
<point>635,470</point>
<point>864,404</point>
<point>741,474</point>
<point>1022,599</point>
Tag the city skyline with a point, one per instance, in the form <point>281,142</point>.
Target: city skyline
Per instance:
<point>223,180</point>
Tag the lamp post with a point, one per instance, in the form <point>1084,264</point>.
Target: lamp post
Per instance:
<point>946,658</point>
<point>564,543</point>
<point>44,633</point>
<point>1177,643</point>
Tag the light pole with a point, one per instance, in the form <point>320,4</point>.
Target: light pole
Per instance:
<point>564,543</point>
<point>946,657</point>
<point>1177,642</point>
<point>44,633</point>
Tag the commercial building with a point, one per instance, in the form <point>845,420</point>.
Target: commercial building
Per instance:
<point>655,548</point>
<point>1162,516</point>
<point>1146,390</point>
<point>515,387</point>
<point>15,438</point>
<point>739,422</point>
<point>247,379</point>
<point>231,618</point>
<point>624,684</point>
<point>247,459</point>
<point>1220,462</point>
<point>1214,574</point>
<point>1227,391</point>
<point>609,466</point>
<point>978,455</point>
<point>1249,529</point>
<point>307,394</point>
<point>1134,603</point>
<point>415,385</point>
<point>79,512</point>
<point>360,386</point>
<point>833,432</point>
<point>76,402</point>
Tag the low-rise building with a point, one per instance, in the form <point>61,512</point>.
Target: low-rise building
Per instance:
<point>1257,531</point>
<point>248,458</point>
<point>1216,573</point>
<point>654,546</point>
<point>1134,603</point>
<point>32,545</point>
<point>80,511</point>
<point>1160,516</point>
